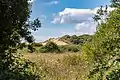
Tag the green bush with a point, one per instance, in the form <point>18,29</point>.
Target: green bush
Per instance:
<point>50,47</point>
<point>31,49</point>
<point>77,40</point>
<point>104,50</point>
<point>37,44</point>
<point>69,48</point>
<point>114,75</point>
<point>14,67</point>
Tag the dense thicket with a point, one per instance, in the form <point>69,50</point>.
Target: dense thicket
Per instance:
<point>15,24</point>
<point>15,27</point>
<point>104,50</point>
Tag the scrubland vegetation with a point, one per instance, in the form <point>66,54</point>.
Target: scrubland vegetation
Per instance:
<point>87,57</point>
<point>67,66</point>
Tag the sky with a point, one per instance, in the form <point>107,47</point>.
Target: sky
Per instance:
<point>65,17</point>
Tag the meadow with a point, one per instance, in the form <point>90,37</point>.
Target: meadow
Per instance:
<point>64,66</point>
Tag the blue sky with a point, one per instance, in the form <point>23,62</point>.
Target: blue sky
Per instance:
<point>65,17</point>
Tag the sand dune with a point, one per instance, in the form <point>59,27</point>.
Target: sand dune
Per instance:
<point>57,41</point>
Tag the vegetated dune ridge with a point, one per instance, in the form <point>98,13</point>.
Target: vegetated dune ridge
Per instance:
<point>56,41</point>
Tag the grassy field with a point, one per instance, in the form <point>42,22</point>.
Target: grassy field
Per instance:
<point>67,66</point>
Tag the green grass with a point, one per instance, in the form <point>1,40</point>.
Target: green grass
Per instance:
<point>67,66</point>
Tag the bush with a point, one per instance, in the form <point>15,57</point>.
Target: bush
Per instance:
<point>14,67</point>
<point>31,49</point>
<point>77,40</point>
<point>37,45</point>
<point>69,48</point>
<point>114,75</point>
<point>50,47</point>
<point>105,49</point>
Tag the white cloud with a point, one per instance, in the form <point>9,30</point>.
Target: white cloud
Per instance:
<point>83,28</point>
<point>86,27</point>
<point>72,15</point>
<point>82,18</point>
<point>52,2</point>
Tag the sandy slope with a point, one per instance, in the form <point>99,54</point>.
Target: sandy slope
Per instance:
<point>57,41</point>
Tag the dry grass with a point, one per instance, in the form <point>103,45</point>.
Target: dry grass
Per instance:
<point>67,66</point>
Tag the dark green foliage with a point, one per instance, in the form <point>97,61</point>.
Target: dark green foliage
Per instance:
<point>50,47</point>
<point>104,50</point>
<point>15,24</point>
<point>78,40</point>
<point>22,45</point>
<point>98,17</point>
<point>114,75</point>
<point>15,67</point>
<point>14,27</point>
<point>31,49</point>
<point>115,3</point>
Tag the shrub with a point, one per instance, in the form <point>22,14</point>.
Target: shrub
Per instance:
<point>77,40</point>
<point>31,49</point>
<point>105,48</point>
<point>14,67</point>
<point>50,47</point>
<point>69,48</point>
<point>37,44</point>
<point>114,75</point>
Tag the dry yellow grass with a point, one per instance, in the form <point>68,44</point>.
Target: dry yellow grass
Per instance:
<point>67,66</point>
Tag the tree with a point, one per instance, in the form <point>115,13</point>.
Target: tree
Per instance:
<point>15,24</point>
<point>115,3</point>
<point>105,47</point>
<point>14,27</point>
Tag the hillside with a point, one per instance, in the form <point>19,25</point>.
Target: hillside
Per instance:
<point>56,40</point>
<point>69,40</point>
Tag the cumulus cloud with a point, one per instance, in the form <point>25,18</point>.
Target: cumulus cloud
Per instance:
<point>82,18</point>
<point>72,15</point>
<point>86,27</point>
<point>83,28</point>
